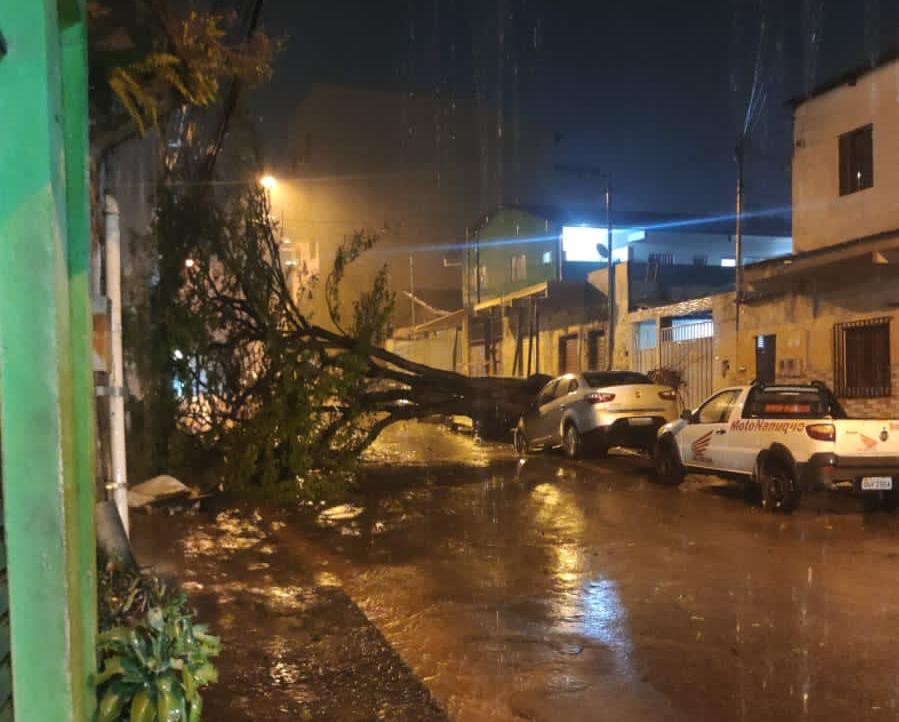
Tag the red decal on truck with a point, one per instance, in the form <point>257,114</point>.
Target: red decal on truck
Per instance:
<point>868,442</point>
<point>700,445</point>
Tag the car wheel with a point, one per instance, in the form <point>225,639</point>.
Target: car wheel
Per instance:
<point>779,492</point>
<point>520,442</point>
<point>669,470</point>
<point>572,442</point>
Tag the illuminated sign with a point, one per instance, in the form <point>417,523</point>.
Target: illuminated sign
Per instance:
<point>580,243</point>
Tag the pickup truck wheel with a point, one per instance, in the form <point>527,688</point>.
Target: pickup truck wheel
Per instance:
<point>779,492</point>
<point>520,442</point>
<point>572,443</point>
<point>669,470</point>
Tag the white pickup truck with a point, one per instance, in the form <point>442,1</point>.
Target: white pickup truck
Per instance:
<point>787,439</point>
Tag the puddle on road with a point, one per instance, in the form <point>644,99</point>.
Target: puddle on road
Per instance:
<point>550,591</point>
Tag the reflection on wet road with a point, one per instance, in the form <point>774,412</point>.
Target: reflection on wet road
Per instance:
<point>551,591</point>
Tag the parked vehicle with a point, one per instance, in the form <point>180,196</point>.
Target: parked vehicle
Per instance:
<point>789,439</point>
<point>595,410</point>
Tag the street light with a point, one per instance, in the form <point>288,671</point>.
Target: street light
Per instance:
<point>268,182</point>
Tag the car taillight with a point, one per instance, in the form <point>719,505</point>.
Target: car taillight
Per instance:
<point>669,395</point>
<point>598,397</point>
<point>822,432</point>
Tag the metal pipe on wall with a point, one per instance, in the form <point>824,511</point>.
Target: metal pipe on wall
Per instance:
<point>117,487</point>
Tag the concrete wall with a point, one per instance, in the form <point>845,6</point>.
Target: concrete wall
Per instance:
<point>441,349</point>
<point>803,324</point>
<point>821,217</point>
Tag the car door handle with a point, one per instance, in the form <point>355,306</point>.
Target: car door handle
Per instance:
<point>562,407</point>
<point>720,432</point>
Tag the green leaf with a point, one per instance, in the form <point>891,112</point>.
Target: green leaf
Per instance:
<point>171,705</point>
<point>112,703</point>
<point>156,619</point>
<point>142,708</point>
<point>112,666</point>
<point>187,682</point>
<point>205,674</point>
<point>196,709</point>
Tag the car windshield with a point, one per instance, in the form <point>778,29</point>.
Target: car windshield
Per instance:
<point>602,379</point>
<point>792,403</point>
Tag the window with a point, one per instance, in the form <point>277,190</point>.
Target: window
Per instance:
<point>728,263</point>
<point>548,392</point>
<point>645,335</point>
<point>856,160</point>
<point>615,378</point>
<point>561,388</point>
<point>700,260</point>
<point>519,267</point>
<point>483,274</point>
<point>861,363</point>
<point>717,408</point>
<point>662,259</point>
<point>792,402</point>
<point>565,387</point>
<point>547,258</point>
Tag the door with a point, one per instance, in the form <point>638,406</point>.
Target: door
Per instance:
<point>703,442</point>
<point>595,350</point>
<point>765,358</point>
<point>568,354</point>
<point>537,428</point>
<point>552,413</point>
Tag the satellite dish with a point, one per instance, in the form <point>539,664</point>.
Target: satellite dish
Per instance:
<point>602,250</point>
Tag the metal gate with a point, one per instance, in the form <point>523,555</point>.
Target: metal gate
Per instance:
<point>688,350</point>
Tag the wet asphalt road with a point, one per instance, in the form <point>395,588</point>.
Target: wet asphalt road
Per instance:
<point>560,591</point>
<point>551,590</point>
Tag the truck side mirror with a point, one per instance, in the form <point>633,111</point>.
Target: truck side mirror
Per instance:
<point>687,416</point>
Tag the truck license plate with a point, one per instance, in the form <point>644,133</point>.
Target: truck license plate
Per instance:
<point>877,483</point>
<point>638,421</point>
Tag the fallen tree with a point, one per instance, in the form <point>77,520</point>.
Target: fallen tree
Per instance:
<point>248,375</point>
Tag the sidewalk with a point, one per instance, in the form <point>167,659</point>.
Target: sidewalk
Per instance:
<point>294,647</point>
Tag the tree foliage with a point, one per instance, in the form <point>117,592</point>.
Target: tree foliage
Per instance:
<point>284,405</point>
<point>147,60</point>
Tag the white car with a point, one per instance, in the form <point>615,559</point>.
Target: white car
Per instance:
<point>789,439</point>
<point>595,410</point>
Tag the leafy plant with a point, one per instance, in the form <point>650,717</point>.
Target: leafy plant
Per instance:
<point>156,659</point>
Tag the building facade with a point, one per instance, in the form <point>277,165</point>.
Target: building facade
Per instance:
<point>829,310</point>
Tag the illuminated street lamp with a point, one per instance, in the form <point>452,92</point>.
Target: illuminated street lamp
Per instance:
<point>268,182</point>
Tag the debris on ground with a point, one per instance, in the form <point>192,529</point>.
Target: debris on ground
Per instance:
<point>162,490</point>
<point>337,514</point>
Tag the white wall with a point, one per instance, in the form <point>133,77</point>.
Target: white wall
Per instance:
<point>821,217</point>
<point>685,246</point>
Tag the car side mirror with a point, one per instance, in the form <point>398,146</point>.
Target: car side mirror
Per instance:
<point>687,416</point>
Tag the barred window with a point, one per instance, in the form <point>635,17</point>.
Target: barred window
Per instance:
<point>862,359</point>
<point>856,160</point>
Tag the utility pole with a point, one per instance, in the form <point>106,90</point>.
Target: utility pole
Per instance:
<point>611,282</point>
<point>412,287</point>
<point>738,239</point>
<point>477,263</point>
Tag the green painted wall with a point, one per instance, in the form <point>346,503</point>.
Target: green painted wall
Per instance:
<point>508,233</point>
<point>46,392</point>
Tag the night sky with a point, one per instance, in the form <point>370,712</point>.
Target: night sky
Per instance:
<point>652,91</point>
